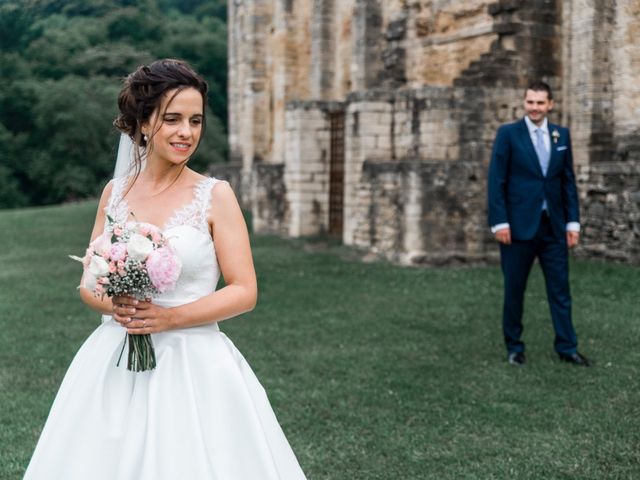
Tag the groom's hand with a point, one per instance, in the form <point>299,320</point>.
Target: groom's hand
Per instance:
<point>572,238</point>
<point>504,236</point>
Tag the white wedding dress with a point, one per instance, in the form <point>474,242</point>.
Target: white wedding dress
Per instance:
<point>200,415</point>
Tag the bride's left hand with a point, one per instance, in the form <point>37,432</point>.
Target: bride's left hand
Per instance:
<point>147,318</point>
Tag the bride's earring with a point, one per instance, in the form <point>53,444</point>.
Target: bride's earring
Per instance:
<point>146,138</point>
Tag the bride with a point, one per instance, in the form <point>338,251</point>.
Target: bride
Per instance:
<point>201,414</point>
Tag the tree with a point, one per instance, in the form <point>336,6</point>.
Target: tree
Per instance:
<point>62,62</point>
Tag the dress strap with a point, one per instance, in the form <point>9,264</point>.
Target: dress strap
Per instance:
<point>196,212</point>
<point>203,199</point>
<point>116,208</point>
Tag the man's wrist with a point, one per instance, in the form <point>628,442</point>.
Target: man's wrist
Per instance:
<point>499,226</point>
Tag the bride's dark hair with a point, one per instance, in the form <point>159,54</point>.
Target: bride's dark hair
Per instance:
<point>143,92</point>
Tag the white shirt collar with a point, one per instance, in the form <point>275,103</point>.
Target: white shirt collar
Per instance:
<point>532,126</point>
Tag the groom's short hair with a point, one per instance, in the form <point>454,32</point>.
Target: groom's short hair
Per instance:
<point>540,86</point>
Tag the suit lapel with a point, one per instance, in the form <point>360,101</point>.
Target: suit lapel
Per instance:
<point>554,156</point>
<point>525,138</point>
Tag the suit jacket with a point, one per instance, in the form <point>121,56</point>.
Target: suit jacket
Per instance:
<point>517,186</point>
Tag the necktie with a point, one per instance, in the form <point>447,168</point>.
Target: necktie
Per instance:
<point>541,151</point>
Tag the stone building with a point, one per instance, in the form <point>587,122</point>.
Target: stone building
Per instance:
<point>373,120</point>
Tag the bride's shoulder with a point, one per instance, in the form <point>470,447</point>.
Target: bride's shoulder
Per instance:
<point>222,199</point>
<point>106,192</point>
<point>212,190</point>
<point>210,184</point>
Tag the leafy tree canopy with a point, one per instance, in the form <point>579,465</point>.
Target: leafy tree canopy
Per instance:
<point>61,67</point>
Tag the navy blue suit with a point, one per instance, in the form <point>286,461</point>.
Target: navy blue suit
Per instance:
<point>517,188</point>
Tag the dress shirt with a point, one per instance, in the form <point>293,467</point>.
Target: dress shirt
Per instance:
<point>545,132</point>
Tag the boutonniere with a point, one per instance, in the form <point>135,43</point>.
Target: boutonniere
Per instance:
<point>555,135</point>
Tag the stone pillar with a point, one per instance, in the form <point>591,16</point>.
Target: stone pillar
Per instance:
<point>413,241</point>
<point>343,34</point>
<point>283,75</point>
<point>235,63</point>
<point>322,49</point>
<point>368,136</point>
<point>625,65</point>
<point>307,167</point>
<point>366,66</point>
<point>249,118</point>
<point>587,93</point>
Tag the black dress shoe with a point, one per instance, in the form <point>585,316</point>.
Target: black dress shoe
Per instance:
<point>516,358</point>
<point>575,358</point>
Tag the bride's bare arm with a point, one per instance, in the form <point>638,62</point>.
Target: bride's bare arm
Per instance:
<point>240,292</point>
<point>103,305</point>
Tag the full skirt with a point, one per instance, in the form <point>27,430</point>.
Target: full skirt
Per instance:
<point>200,415</point>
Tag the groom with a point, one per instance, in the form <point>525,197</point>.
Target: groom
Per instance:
<point>533,212</point>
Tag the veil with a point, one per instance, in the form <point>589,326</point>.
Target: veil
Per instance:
<point>125,162</point>
<point>126,157</point>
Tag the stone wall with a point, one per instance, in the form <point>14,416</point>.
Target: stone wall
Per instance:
<point>610,207</point>
<point>424,85</point>
<point>269,205</point>
<point>443,38</point>
<point>417,162</point>
<point>424,212</point>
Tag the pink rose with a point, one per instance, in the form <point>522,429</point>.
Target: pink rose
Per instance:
<point>156,237</point>
<point>118,252</point>
<point>112,267</point>
<point>117,230</point>
<point>121,272</point>
<point>164,268</point>
<point>144,230</point>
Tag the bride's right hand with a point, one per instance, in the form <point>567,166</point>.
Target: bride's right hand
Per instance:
<point>123,309</point>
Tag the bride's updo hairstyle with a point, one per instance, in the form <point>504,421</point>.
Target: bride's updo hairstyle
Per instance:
<point>143,92</point>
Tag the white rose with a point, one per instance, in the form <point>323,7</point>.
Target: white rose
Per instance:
<point>98,266</point>
<point>139,247</point>
<point>89,281</point>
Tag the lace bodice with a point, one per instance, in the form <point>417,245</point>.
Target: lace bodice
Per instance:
<point>188,233</point>
<point>193,213</point>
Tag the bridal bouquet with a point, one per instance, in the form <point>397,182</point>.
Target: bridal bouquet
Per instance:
<point>132,259</point>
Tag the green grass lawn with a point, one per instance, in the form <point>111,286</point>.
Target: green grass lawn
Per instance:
<point>375,371</point>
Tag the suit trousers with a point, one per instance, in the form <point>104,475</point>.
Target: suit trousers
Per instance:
<point>516,261</point>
